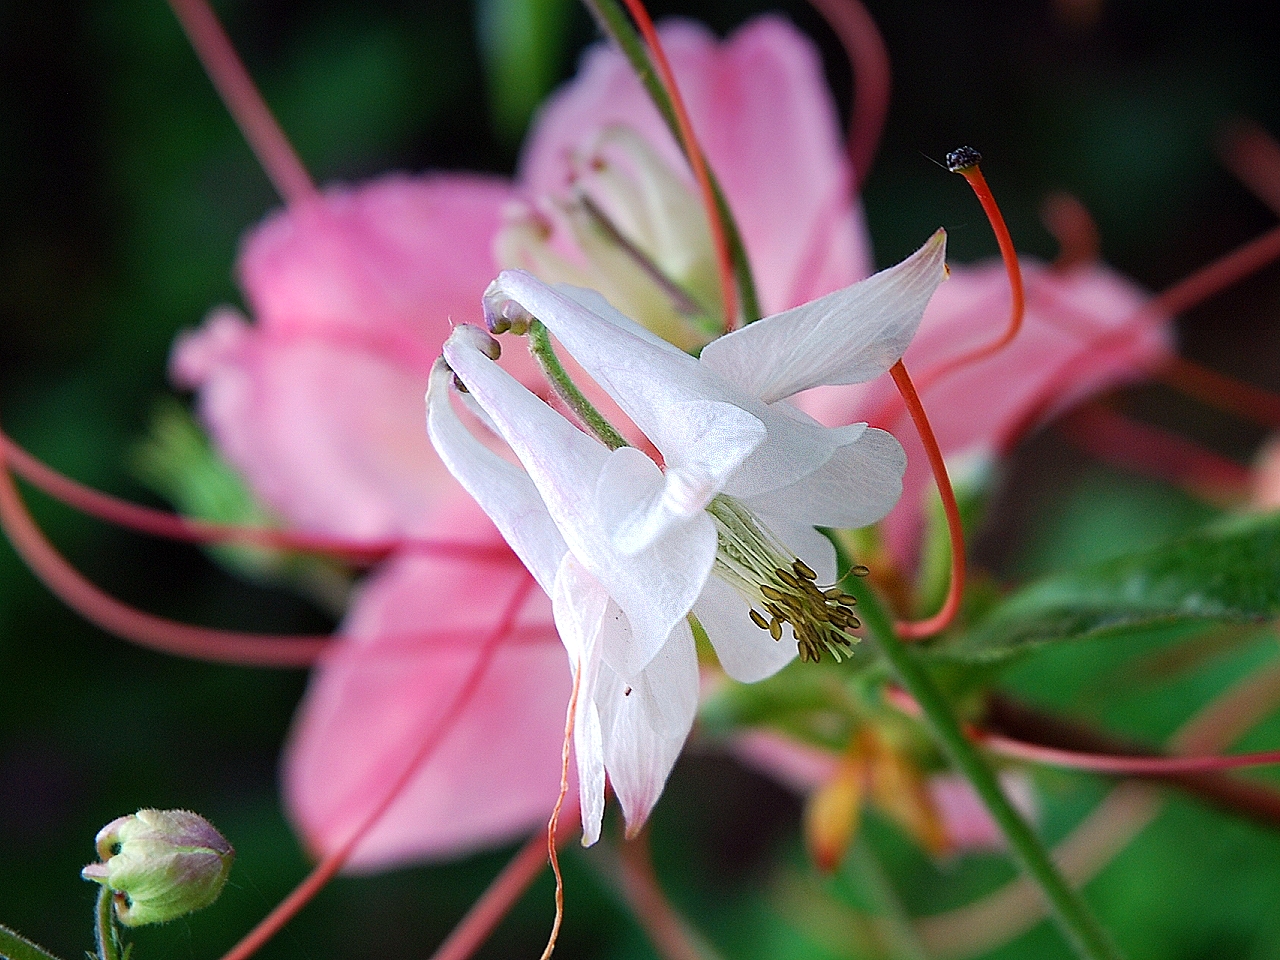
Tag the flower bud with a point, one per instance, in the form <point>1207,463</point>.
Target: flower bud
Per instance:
<point>160,864</point>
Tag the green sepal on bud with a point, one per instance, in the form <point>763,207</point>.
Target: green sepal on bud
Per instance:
<point>160,864</point>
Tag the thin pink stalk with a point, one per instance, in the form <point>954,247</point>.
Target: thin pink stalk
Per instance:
<point>327,868</point>
<point>1217,276</point>
<point>1187,293</point>
<point>670,933</point>
<point>1253,156</point>
<point>1124,766</point>
<point>857,32</point>
<point>1074,229</point>
<point>507,887</point>
<point>157,633</point>
<point>1222,392</point>
<point>985,924</point>
<point>243,101</point>
<point>697,161</point>
<point>1120,441</point>
<point>173,527</point>
<point>918,629</point>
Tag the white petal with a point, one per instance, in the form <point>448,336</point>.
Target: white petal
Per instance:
<point>646,723</point>
<point>579,603</point>
<point>796,445</point>
<point>655,587</point>
<point>855,488</point>
<point>746,652</point>
<point>692,416</point>
<point>848,336</point>
<point>502,489</point>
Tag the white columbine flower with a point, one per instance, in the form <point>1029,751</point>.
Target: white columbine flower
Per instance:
<point>723,531</point>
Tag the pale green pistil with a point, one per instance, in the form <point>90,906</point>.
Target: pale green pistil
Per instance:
<point>752,560</point>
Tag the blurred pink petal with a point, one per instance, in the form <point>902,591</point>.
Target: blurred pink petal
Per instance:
<point>329,436</point>
<point>394,260</point>
<point>319,405</point>
<point>1265,494</point>
<point>1084,322</point>
<point>410,639</point>
<point>760,107</point>
<point>795,765</point>
<point>968,824</point>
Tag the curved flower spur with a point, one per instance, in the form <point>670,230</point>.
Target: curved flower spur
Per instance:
<point>725,529</point>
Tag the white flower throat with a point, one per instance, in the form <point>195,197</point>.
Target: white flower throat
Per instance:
<point>752,560</point>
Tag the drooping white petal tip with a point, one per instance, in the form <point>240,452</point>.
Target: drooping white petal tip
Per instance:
<point>501,313</point>
<point>467,335</point>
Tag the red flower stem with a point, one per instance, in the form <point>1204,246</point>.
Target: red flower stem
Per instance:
<point>243,101</point>
<point>173,527</point>
<point>670,933</point>
<point>1115,439</point>
<point>1073,228</point>
<point>857,32</point>
<point>1222,392</point>
<point>1018,300</point>
<point>1123,766</point>
<point>144,629</point>
<point>1253,157</point>
<point>697,162</point>
<point>327,868</point>
<point>507,887</point>
<point>915,630</point>
<point>1216,276</point>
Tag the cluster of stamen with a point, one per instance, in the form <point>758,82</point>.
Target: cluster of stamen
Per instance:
<point>820,619</point>
<point>752,560</point>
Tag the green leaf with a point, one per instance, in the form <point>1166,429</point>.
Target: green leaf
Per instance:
<point>176,460</point>
<point>1226,573</point>
<point>15,947</point>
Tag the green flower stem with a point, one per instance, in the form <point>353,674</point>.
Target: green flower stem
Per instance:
<point>16,947</point>
<point>106,932</point>
<point>567,390</point>
<point>615,23</point>
<point>1075,918</point>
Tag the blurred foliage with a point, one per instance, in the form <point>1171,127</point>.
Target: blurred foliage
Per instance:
<point>125,188</point>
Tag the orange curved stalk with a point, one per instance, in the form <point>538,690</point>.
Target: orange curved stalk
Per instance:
<point>965,162</point>
<point>553,824</point>
<point>697,161</point>
<point>918,629</point>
